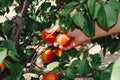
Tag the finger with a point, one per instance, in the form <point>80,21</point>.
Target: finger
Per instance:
<point>53,29</point>
<point>55,44</point>
<point>50,44</point>
<point>61,47</point>
<point>69,46</point>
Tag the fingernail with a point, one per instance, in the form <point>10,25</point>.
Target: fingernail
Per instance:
<point>61,47</point>
<point>55,44</point>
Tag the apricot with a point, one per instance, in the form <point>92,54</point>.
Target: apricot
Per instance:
<point>63,40</point>
<point>58,52</point>
<point>2,66</point>
<point>47,37</point>
<point>50,76</point>
<point>47,56</point>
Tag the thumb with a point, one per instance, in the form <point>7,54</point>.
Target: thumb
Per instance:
<point>72,44</point>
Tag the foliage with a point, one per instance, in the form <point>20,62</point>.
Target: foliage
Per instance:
<point>71,14</point>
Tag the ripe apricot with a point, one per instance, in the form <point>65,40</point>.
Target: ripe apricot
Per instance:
<point>58,52</point>
<point>2,66</point>
<point>49,39</point>
<point>47,56</point>
<point>50,76</point>
<point>63,40</point>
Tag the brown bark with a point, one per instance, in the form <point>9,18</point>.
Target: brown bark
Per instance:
<point>19,22</point>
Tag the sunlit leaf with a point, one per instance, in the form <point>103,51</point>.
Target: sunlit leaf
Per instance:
<point>3,54</point>
<point>115,75</point>
<point>52,65</point>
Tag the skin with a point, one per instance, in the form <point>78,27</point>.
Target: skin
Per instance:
<point>79,37</point>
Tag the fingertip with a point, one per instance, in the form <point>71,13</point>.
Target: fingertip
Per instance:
<point>61,47</point>
<point>55,44</point>
<point>49,44</point>
<point>73,43</point>
<point>70,46</point>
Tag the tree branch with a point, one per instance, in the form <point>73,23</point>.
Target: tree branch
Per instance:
<point>60,4</point>
<point>19,22</point>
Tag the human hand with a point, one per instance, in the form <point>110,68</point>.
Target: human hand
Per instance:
<point>77,36</point>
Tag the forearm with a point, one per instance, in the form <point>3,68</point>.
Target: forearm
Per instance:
<point>100,32</point>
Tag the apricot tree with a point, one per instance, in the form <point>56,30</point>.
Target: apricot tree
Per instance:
<point>22,45</point>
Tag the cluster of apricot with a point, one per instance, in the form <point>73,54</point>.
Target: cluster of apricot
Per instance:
<point>61,39</point>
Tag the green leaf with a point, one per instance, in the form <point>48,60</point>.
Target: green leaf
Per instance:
<point>107,16</point>
<point>96,57</point>
<point>16,71</point>
<point>105,74</point>
<point>45,6</point>
<point>8,78</point>
<point>97,8</point>
<point>89,28</point>
<point>65,56</point>
<point>73,53</point>
<point>65,24</point>
<point>73,12</point>
<point>74,63</point>
<point>66,9</point>
<point>91,6</point>
<point>18,1</point>
<point>70,5</point>
<point>3,54</point>
<point>8,64</point>
<point>31,25</point>
<point>115,4</point>
<point>37,70</point>
<point>13,56</point>
<point>115,75</point>
<point>114,46</point>
<point>96,61</point>
<point>79,19</point>
<point>52,65</point>
<point>70,73</point>
<point>5,27</point>
<point>56,70</point>
<point>10,45</point>
<point>83,67</point>
<point>5,3</point>
<point>96,75</point>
